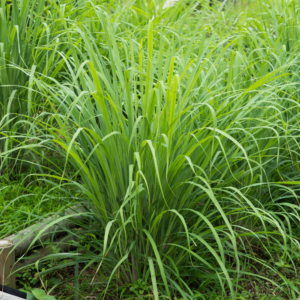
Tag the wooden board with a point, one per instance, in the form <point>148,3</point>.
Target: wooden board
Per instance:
<point>7,261</point>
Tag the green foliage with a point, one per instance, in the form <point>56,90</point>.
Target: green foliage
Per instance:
<point>29,46</point>
<point>22,204</point>
<point>140,289</point>
<point>39,294</point>
<point>180,129</point>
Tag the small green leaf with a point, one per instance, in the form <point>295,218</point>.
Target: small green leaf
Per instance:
<point>49,298</point>
<point>39,294</point>
<point>30,296</point>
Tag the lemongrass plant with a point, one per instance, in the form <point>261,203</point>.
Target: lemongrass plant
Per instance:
<point>185,145</point>
<point>30,43</point>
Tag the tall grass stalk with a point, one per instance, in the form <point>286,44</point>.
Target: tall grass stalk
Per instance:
<point>30,41</point>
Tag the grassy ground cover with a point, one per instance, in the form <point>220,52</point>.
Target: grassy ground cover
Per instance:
<point>24,205</point>
<point>178,126</point>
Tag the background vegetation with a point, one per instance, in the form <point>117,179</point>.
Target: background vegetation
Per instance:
<point>177,126</point>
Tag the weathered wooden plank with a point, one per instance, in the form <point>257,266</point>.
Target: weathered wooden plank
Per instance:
<point>24,238</point>
<point>7,260</point>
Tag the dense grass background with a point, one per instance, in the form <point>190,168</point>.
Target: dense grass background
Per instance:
<point>178,126</point>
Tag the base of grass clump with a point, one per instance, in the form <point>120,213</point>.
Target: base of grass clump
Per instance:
<point>62,285</point>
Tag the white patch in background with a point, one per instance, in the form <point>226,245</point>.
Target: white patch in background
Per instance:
<point>4,296</point>
<point>167,4</point>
